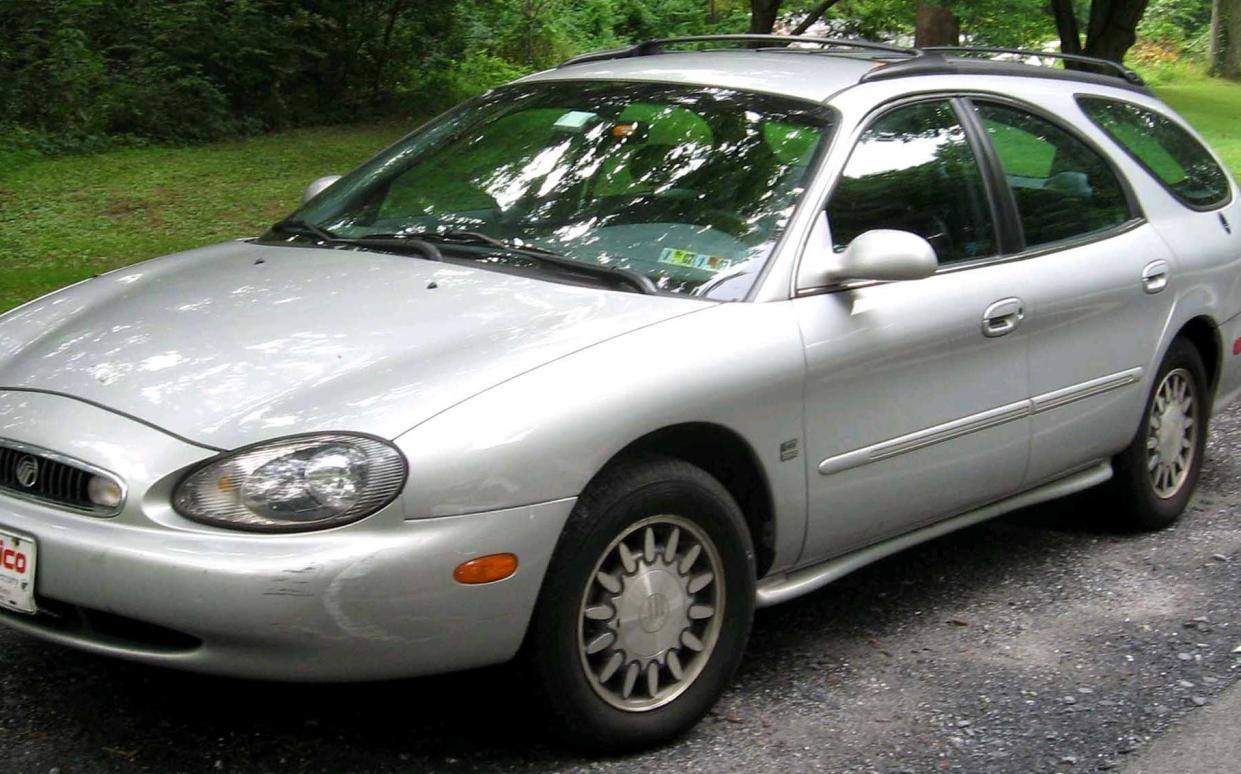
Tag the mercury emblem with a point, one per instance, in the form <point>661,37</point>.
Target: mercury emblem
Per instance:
<point>27,472</point>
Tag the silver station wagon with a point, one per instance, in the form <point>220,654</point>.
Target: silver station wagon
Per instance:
<point>585,370</point>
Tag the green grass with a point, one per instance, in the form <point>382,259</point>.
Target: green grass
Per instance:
<point>1214,108</point>
<point>64,219</point>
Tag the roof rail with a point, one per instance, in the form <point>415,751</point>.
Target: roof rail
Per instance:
<point>1106,64</point>
<point>932,60</point>
<point>651,47</point>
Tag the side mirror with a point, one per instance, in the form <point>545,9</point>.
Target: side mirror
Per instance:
<point>885,254</point>
<point>316,187</point>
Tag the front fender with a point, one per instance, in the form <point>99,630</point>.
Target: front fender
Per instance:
<point>544,435</point>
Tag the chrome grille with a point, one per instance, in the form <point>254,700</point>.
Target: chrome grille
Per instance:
<point>30,473</point>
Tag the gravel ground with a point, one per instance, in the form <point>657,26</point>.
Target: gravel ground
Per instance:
<point>1035,643</point>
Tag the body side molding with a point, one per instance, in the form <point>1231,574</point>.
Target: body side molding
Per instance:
<point>981,421</point>
<point>1067,395</point>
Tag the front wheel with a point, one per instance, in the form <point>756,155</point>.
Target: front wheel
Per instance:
<point>646,608</point>
<point>1156,475</point>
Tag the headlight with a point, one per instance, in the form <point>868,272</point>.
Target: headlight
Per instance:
<point>302,483</point>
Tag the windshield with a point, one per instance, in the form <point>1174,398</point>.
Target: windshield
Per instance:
<point>690,186</point>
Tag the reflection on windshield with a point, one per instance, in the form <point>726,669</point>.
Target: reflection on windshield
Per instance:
<point>689,186</point>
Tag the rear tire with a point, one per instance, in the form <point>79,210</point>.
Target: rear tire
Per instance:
<point>646,608</point>
<point>1156,475</point>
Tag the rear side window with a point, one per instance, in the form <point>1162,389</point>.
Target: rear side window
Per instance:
<point>1164,148</point>
<point>1063,188</point>
<point>914,170</point>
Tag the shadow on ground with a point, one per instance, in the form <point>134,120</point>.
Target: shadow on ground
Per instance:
<point>109,714</point>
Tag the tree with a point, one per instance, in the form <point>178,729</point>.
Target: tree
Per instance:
<point>936,25</point>
<point>1111,27</point>
<point>1008,23</point>
<point>763,14</point>
<point>1225,48</point>
<point>813,16</point>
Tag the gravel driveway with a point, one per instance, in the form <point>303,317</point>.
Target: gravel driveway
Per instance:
<point>1031,644</point>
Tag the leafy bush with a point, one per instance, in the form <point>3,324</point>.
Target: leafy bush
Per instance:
<point>439,89</point>
<point>1175,24</point>
<point>79,74</point>
<point>86,74</point>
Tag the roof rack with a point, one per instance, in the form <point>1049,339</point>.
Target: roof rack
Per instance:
<point>932,60</point>
<point>652,47</point>
<point>1105,64</point>
<point>935,61</point>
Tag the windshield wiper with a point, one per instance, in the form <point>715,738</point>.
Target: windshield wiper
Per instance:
<point>304,228</point>
<point>401,245</point>
<point>382,242</point>
<point>635,280</point>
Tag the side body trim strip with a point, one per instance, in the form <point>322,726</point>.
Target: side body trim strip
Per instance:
<point>974,423</point>
<point>1057,398</point>
<point>924,438</point>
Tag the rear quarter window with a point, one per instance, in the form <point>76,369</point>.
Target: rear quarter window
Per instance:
<point>1171,154</point>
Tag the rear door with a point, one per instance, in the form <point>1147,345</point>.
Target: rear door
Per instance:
<point>1098,275</point>
<point>1187,194</point>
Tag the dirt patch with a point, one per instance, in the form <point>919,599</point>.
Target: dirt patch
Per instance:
<point>124,208</point>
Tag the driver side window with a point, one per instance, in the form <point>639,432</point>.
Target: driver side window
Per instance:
<point>914,170</point>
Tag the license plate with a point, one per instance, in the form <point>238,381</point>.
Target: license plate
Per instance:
<point>17,562</point>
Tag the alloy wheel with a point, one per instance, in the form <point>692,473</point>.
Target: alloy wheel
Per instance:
<point>651,613</point>
<point>1172,433</point>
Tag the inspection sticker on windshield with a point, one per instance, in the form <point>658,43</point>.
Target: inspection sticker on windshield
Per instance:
<point>693,260</point>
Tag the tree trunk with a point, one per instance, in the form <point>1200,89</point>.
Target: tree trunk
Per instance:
<point>936,26</point>
<point>763,15</point>
<point>1111,32</point>
<point>1113,28</point>
<point>813,16</point>
<point>1226,39</point>
<point>385,46</point>
<point>1066,25</point>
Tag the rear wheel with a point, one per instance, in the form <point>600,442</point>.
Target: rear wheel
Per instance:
<point>646,608</point>
<point>1156,475</point>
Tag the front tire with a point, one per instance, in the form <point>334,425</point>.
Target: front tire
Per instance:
<point>646,608</point>
<point>1156,475</point>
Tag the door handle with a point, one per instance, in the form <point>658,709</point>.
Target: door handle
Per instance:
<point>1002,317</point>
<point>1155,276</point>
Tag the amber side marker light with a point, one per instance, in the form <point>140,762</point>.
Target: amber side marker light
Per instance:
<point>486,569</point>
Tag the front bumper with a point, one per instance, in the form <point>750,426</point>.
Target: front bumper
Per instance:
<point>371,600</point>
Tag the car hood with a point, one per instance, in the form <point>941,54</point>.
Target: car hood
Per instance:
<point>239,342</point>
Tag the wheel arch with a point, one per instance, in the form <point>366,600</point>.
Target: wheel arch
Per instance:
<point>1203,334</point>
<point>726,455</point>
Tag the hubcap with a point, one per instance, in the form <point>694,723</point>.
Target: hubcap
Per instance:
<point>1172,433</point>
<point>651,613</point>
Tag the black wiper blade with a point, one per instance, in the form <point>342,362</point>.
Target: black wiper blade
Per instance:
<point>303,227</point>
<point>403,245</point>
<point>635,280</point>
<point>391,243</point>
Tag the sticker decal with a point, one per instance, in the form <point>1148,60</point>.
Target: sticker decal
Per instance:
<point>692,260</point>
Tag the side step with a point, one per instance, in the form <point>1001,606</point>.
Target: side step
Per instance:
<point>785,586</point>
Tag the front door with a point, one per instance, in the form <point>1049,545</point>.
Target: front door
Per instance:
<point>916,395</point>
